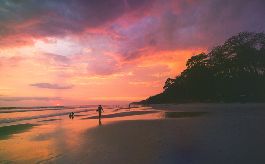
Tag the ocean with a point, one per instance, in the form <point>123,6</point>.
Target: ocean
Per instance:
<point>18,115</point>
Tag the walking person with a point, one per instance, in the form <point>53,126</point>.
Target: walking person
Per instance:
<point>99,110</point>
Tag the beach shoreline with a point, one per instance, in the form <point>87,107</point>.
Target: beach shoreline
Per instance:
<point>194,133</point>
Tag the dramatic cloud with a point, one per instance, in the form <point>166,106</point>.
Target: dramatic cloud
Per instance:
<point>128,46</point>
<point>52,86</point>
<point>191,24</point>
<point>57,18</point>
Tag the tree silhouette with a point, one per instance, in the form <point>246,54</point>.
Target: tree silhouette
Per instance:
<point>232,72</point>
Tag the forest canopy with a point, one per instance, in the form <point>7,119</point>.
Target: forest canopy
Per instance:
<point>232,72</point>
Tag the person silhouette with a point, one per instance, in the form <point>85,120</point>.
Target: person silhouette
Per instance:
<point>99,110</point>
<point>71,115</point>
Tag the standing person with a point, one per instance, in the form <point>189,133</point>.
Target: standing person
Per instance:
<point>99,110</point>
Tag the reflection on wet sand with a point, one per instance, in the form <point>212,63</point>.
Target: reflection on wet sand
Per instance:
<point>183,114</point>
<point>46,139</point>
<point>8,131</point>
<point>174,135</point>
<point>44,142</point>
<point>122,114</point>
<point>53,138</point>
<point>48,120</point>
<point>99,122</point>
<point>22,148</point>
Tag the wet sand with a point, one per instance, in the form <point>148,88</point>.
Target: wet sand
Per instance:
<point>192,133</point>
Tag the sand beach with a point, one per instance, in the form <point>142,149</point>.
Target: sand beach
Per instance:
<point>184,133</point>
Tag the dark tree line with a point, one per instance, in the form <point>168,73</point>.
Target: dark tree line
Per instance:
<point>232,72</point>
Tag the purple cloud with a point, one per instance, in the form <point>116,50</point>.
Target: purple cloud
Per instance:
<point>51,86</point>
<point>57,18</point>
<point>190,24</point>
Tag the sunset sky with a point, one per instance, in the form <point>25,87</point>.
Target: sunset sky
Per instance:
<point>67,52</point>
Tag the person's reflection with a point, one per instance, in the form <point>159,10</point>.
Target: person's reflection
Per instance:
<point>99,122</point>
